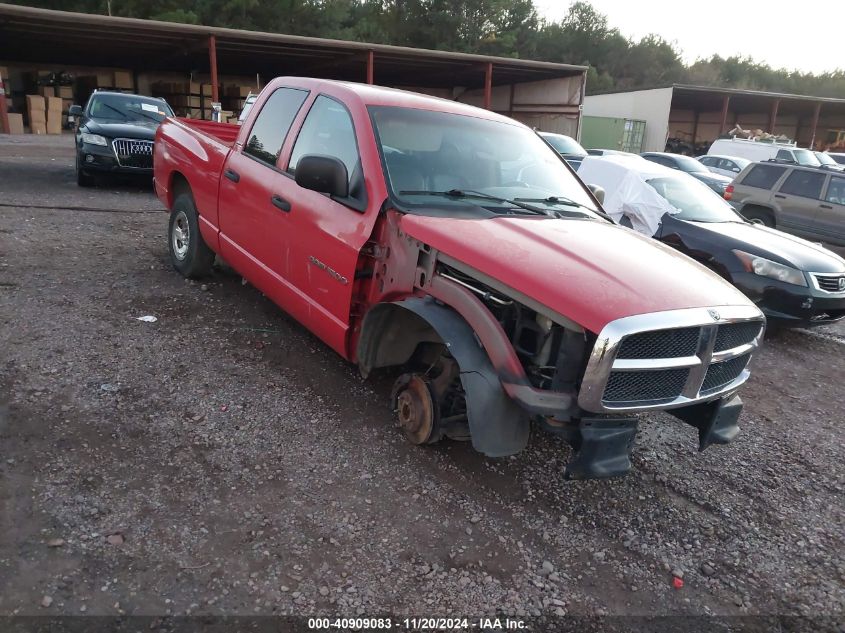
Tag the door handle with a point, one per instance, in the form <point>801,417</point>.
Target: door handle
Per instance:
<point>777,195</point>
<point>280,203</point>
<point>825,206</point>
<point>232,175</point>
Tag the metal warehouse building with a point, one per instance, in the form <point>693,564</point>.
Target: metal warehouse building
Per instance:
<point>141,55</point>
<point>644,120</point>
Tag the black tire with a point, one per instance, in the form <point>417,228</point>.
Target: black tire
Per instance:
<point>189,253</point>
<point>83,178</point>
<point>759,216</point>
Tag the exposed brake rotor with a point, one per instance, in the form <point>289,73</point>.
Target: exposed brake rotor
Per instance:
<point>416,409</point>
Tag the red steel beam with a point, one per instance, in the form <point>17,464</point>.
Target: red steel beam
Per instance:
<point>488,85</point>
<point>773,116</point>
<point>212,62</point>
<point>370,66</point>
<point>726,101</point>
<point>815,124</point>
<point>4,109</point>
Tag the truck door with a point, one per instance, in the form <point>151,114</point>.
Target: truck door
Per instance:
<point>252,224</point>
<point>798,197</point>
<point>325,234</point>
<point>831,217</point>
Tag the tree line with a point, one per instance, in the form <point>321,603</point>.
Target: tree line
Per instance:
<point>508,28</point>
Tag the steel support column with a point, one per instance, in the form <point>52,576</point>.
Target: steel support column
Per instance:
<point>212,62</point>
<point>726,101</point>
<point>816,112</point>
<point>4,109</point>
<point>488,85</point>
<point>370,67</point>
<point>773,116</point>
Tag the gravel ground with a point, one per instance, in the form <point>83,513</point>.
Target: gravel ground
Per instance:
<point>223,461</point>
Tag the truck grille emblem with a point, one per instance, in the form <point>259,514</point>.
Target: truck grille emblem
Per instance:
<point>716,316</point>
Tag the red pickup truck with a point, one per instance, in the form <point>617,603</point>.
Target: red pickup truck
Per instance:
<point>455,246</point>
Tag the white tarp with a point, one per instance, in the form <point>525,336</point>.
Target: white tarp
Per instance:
<point>627,193</point>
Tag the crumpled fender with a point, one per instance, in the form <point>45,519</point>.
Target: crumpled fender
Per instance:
<point>499,427</point>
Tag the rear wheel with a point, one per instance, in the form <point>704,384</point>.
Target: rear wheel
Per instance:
<point>83,178</point>
<point>189,253</point>
<point>758,215</point>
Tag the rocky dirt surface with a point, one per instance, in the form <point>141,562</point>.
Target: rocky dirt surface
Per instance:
<point>222,460</point>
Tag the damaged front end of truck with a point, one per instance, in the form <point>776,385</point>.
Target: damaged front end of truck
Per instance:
<point>482,359</point>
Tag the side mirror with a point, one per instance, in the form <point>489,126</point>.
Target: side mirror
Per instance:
<point>598,192</point>
<point>736,170</point>
<point>325,174</point>
<point>75,110</point>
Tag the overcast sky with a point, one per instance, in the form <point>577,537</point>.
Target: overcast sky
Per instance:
<point>805,35</point>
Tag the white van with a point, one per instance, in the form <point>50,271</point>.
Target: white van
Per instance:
<point>760,151</point>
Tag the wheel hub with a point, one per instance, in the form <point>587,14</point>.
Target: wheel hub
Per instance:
<point>181,235</point>
<point>416,410</point>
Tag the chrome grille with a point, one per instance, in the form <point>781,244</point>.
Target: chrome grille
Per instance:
<point>830,283</point>
<point>660,344</point>
<point>721,374</point>
<point>645,386</point>
<point>733,335</point>
<point>132,152</point>
<point>637,364</point>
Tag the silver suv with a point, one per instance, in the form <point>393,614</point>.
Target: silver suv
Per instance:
<point>803,201</point>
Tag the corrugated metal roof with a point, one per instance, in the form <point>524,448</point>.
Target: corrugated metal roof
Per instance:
<point>34,35</point>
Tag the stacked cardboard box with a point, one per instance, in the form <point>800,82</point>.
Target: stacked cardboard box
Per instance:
<point>54,115</point>
<point>15,123</point>
<point>36,113</point>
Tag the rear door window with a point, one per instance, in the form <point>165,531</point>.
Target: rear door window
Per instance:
<point>806,184</point>
<point>836,190</point>
<point>763,176</point>
<point>273,123</point>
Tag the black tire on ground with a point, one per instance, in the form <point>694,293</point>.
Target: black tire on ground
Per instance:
<point>759,216</point>
<point>83,179</point>
<point>189,253</point>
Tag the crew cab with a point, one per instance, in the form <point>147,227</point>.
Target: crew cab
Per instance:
<point>455,246</point>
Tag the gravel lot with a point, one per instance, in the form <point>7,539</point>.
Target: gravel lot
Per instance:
<point>223,461</point>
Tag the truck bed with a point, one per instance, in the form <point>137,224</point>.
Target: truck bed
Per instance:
<point>225,133</point>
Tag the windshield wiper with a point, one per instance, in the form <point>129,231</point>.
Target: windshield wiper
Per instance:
<point>120,112</point>
<point>568,203</point>
<point>469,193</point>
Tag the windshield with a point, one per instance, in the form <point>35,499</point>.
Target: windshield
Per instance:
<point>824,159</point>
<point>695,201</point>
<point>118,107</point>
<point>564,144</point>
<point>806,158</point>
<point>429,156</point>
<point>690,165</point>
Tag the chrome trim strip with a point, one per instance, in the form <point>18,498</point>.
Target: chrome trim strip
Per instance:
<point>815,281</point>
<point>603,357</point>
<point>652,364</point>
<point>728,354</point>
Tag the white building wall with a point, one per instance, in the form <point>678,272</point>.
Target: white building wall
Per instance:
<point>651,106</point>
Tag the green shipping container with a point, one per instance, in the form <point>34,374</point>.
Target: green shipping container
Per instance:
<point>626,135</point>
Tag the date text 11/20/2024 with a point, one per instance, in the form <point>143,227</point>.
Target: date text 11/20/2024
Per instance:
<point>416,624</point>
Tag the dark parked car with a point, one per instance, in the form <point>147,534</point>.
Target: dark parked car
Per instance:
<point>794,282</point>
<point>115,134</point>
<point>608,152</point>
<point>691,166</point>
<point>567,147</point>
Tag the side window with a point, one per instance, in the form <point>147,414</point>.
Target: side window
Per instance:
<point>836,190</point>
<point>763,176</point>
<point>785,155</point>
<point>708,162</point>
<point>328,130</point>
<point>729,165</point>
<point>806,184</point>
<point>273,123</point>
